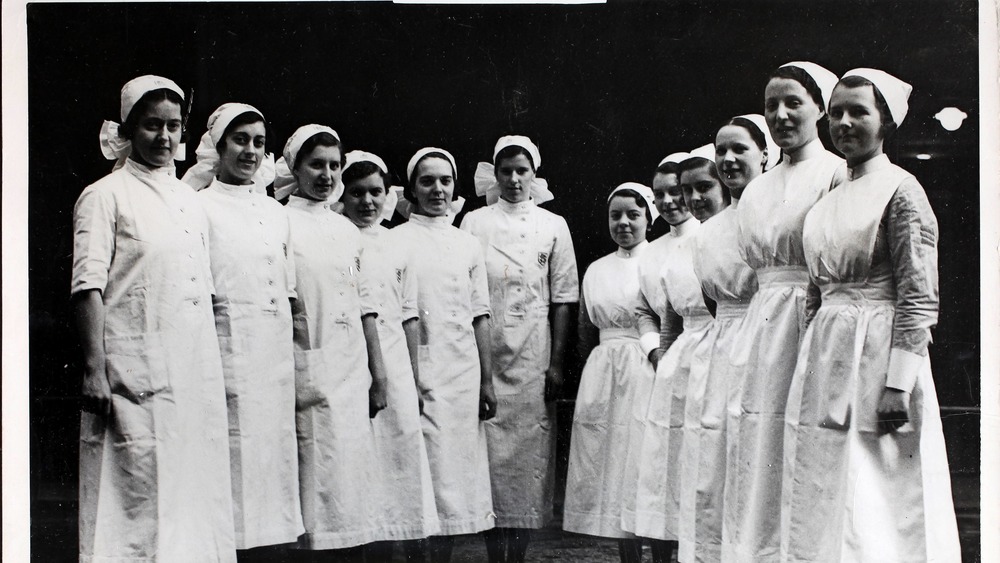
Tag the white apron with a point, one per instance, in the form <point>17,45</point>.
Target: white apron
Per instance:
<point>604,401</point>
<point>659,454</point>
<point>651,307</point>
<point>452,291</point>
<point>712,385</point>
<point>154,476</point>
<point>254,279</point>
<point>407,509</point>
<point>771,213</point>
<point>851,493</point>
<point>336,444</point>
<point>530,263</point>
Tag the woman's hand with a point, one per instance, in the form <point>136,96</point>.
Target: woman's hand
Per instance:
<point>553,383</point>
<point>96,391</point>
<point>487,401</point>
<point>376,397</point>
<point>893,409</point>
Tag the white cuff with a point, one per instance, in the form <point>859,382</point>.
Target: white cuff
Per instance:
<point>903,369</point>
<point>649,342</point>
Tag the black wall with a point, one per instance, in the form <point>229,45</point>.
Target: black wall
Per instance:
<point>605,91</point>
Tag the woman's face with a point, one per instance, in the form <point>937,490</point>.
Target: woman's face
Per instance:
<point>670,199</point>
<point>318,173</point>
<point>514,176</point>
<point>627,221</point>
<point>855,123</point>
<point>434,186</point>
<point>737,157</point>
<point>702,193</point>
<point>364,199</point>
<point>157,134</point>
<point>242,153</point>
<point>791,113</point>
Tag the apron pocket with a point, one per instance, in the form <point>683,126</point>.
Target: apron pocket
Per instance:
<point>136,366</point>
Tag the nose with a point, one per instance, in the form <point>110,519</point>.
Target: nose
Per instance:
<point>782,111</point>
<point>729,156</point>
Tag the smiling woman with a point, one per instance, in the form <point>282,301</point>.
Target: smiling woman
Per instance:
<point>249,240</point>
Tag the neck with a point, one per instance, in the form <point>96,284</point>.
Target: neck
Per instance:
<point>853,162</point>
<point>808,150</point>
<point>234,181</point>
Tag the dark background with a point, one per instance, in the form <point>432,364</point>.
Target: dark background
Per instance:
<point>604,90</point>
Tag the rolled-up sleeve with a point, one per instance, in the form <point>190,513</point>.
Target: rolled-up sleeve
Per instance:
<point>94,224</point>
<point>480,294</point>
<point>564,279</point>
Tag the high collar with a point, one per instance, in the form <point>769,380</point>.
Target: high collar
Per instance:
<point>685,228</point>
<point>437,222</point>
<point>141,170</point>
<point>812,149</point>
<point>516,208</point>
<point>373,230</point>
<point>632,252</point>
<point>310,205</point>
<point>238,191</point>
<point>867,167</point>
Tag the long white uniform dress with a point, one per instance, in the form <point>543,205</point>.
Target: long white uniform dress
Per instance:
<point>530,263</point>
<point>599,443</point>
<point>713,384</point>
<point>336,443</point>
<point>451,291</point>
<point>254,278</point>
<point>851,492</point>
<point>657,501</point>
<point>771,213</point>
<point>648,312</point>
<point>154,476</point>
<point>407,509</point>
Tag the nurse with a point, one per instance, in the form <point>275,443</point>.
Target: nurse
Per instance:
<point>743,149</point>
<point>683,320</point>
<point>254,281</point>
<point>866,473</point>
<point>154,455</point>
<point>340,379</point>
<point>604,404</point>
<point>456,380</point>
<point>407,509</point>
<point>532,276</point>
<point>770,215</point>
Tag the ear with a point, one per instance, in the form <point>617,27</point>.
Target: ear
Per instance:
<point>763,158</point>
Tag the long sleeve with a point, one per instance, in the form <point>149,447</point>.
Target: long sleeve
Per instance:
<point>671,326</point>
<point>911,233</point>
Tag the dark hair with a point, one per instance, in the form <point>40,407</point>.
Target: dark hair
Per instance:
<point>148,100</point>
<point>667,168</point>
<point>511,152</point>
<point>639,200</point>
<point>363,169</point>
<point>888,126</point>
<point>802,77</point>
<point>697,163</point>
<point>755,133</point>
<point>411,182</point>
<point>321,139</point>
<point>245,118</point>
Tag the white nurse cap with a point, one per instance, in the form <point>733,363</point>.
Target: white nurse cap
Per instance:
<point>284,181</point>
<point>200,175</point>
<point>825,79</point>
<point>643,190</point>
<point>410,166</point>
<point>895,91</point>
<point>674,158</point>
